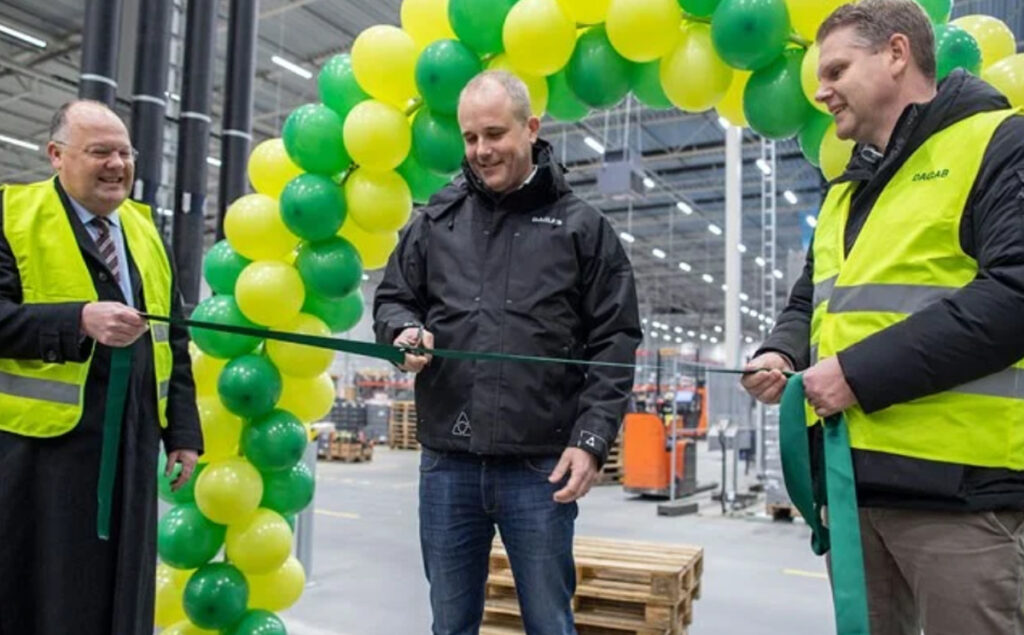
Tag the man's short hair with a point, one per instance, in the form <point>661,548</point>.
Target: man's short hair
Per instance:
<point>59,121</point>
<point>876,21</point>
<point>514,87</point>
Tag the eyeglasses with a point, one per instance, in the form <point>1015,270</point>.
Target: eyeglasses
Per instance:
<point>104,153</point>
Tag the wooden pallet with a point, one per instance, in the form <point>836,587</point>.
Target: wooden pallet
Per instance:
<point>611,471</point>
<point>351,452</point>
<point>402,426</point>
<point>622,587</point>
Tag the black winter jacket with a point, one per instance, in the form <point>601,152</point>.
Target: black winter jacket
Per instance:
<point>976,332</point>
<point>534,272</point>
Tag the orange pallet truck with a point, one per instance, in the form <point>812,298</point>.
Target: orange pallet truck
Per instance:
<point>647,457</point>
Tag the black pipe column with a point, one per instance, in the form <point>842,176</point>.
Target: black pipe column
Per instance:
<point>193,146</point>
<point>236,127</point>
<point>101,37</point>
<point>149,101</point>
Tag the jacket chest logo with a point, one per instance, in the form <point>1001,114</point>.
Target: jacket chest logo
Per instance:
<point>933,174</point>
<point>547,220</point>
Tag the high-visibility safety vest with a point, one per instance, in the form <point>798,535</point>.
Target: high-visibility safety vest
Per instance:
<point>906,257</point>
<point>42,399</point>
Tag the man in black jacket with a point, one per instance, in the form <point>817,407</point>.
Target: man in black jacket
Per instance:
<point>508,260</point>
<point>933,285</point>
<point>77,263</point>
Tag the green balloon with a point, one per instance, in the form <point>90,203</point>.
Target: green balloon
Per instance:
<point>442,71</point>
<point>221,267</point>
<point>313,136</point>
<point>750,34</point>
<point>811,134</point>
<point>699,8</point>
<point>596,73</point>
<point>562,102</point>
<point>185,539</point>
<point>249,386</point>
<point>773,100</point>
<point>339,89</point>
<point>288,492</point>
<point>955,48</point>
<point>222,309</point>
<point>275,441</point>
<point>479,23</point>
<point>339,315</point>
<point>331,268</point>
<point>187,493</point>
<point>938,10</point>
<point>313,206</point>
<point>422,182</point>
<point>645,80</point>
<point>258,622</point>
<point>437,142</point>
<point>291,521</point>
<point>215,596</point>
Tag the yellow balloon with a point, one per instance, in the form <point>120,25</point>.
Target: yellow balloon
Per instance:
<point>254,228</point>
<point>270,168</point>
<point>586,11</point>
<point>835,153</point>
<point>299,360</point>
<point>170,585</point>
<point>539,36</point>
<point>229,491</point>
<point>809,76</point>
<point>270,292</point>
<point>260,544</point>
<point>731,105</point>
<point>221,429</point>
<point>538,86</point>
<point>426,21</point>
<point>994,38</point>
<point>693,76</point>
<point>384,63</point>
<point>185,627</point>
<point>205,372</point>
<point>374,248</point>
<point>1007,75</point>
<point>378,201</point>
<point>807,15</point>
<point>643,30</point>
<point>279,589</point>
<point>377,135</point>
<point>308,398</point>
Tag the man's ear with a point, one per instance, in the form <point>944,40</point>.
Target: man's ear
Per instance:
<point>54,153</point>
<point>533,124</point>
<point>899,54</point>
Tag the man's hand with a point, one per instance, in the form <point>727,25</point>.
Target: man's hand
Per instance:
<point>582,468</point>
<point>826,389</point>
<point>767,385</point>
<point>188,460</point>
<point>411,338</point>
<point>112,323</point>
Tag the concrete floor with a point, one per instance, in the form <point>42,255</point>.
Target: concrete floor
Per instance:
<point>760,577</point>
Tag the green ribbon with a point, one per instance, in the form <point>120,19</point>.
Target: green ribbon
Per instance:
<point>396,354</point>
<point>842,535</point>
<point>113,418</point>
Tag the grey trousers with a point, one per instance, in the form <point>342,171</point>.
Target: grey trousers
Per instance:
<point>945,573</point>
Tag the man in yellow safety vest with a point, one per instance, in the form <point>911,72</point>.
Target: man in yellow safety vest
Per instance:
<point>908,319</point>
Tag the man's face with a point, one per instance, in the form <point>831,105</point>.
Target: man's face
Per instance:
<point>498,146</point>
<point>856,83</point>
<point>94,159</point>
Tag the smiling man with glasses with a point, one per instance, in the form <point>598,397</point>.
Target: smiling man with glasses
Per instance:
<point>78,261</point>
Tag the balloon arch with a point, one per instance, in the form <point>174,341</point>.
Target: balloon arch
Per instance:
<point>333,193</point>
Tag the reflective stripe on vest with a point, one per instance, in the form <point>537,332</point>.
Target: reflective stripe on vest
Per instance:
<point>906,258</point>
<point>45,399</point>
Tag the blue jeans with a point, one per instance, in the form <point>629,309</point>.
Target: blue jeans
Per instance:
<point>462,498</point>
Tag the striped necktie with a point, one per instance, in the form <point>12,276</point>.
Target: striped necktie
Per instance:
<point>105,243</point>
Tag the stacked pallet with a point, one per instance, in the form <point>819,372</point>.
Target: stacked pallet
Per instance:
<point>622,587</point>
<point>611,471</point>
<point>351,451</point>
<point>402,426</point>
